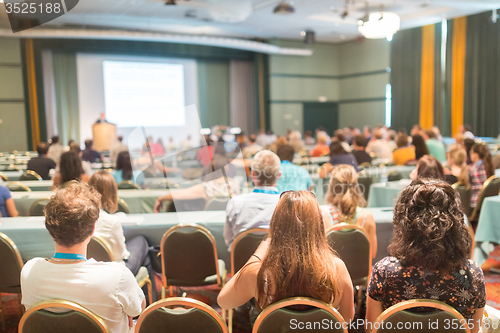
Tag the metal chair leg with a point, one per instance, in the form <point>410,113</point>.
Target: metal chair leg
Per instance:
<point>230,320</point>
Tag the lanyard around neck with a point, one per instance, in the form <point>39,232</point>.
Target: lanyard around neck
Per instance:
<point>258,190</point>
<point>69,256</point>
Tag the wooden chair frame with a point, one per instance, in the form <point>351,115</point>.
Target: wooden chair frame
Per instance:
<point>128,182</point>
<point>414,303</point>
<point>36,203</point>
<point>14,249</point>
<point>19,184</point>
<point>298,301</point>
<point>105,245</point>
<point>124,204</point>
<point>65,305</point>
<point>214,199</point>
<point>475,212</point>
<point>4,177</point>
<point>181,301</point>
<point>33,173</point>
<point>221,280</point>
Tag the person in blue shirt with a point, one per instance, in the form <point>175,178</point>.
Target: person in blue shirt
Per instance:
<point>7,206</point>
<point>123,170</point>
<point>293,177</point>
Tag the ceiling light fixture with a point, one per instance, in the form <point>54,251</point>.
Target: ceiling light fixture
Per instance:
<point>284,8</point>
<point>380,25</point>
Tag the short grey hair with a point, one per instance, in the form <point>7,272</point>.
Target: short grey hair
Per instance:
<point>266,167</point>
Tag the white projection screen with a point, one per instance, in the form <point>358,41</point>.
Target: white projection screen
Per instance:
<point>149,93</point>
<point>160,94</point>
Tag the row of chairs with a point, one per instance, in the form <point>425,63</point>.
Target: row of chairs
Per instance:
<point>37,207</point>
<point>167,316</point>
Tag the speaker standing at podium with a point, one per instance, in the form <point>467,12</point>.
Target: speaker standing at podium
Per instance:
<point>104,134</point>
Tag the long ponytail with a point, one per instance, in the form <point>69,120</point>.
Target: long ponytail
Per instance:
<point>484,154</point>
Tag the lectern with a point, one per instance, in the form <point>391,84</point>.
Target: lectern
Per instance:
<point>104,136</point>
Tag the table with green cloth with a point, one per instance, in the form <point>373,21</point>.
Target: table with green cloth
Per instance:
<point>385,194</point>
<point>33,240</point>
<point>488,228</point>
<point>138,201</point>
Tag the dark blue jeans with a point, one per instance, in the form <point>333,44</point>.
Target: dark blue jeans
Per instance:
<point>139,256</point>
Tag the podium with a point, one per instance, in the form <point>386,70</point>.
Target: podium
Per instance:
<point>104,136</point>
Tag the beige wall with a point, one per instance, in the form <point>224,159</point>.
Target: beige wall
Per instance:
<point>352,73</point>
<point>13,128</point>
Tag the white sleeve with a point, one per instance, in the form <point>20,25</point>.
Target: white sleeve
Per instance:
<point>117,235</point>
<point>129,294</point>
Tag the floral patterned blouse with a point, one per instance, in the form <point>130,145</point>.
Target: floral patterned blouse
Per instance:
<point>391,283</point>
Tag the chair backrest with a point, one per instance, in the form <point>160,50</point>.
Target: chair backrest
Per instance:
<point>365,183</point>
<point>30,175</point>
<point>128,185</point>
<point>279,317</point>
<point>76,319</point>
<point>365,165</point>
<point>38,206</point>
<point>164,184</point>
<point>491,187</point>
<point>352,245</point>
<point>17,187</point>
<point>217,203</point>
<point>11,167</point>
<point>394,175</point>
<point>99,249</point>
<point>419,321</point>
<point>244,245</point>
<point>189,256</point>
<point>165,316</point>
<point>123,207</point>
<point>11,264</point>
<point>465,196</point>
<point>4,177</point>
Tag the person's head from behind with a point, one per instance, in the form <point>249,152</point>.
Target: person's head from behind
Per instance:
<point>104,183</point>
<point>299,261</point>
<point>54,140</point>
<point>120,138</point>
<point>429,229</point>
<point>124,164</point>
<point>321,139</point>
<point>308,134</point>
<point>71,214</point>
<point>266,168</point>
<point>252,138</point>
<point>336,148</point>
<point>458,157</point>
<point>88,144</point>
<point>339,135</point>
<point>480,152</point>
<point>42,148</point>
<point>378,134</point>
<point>419,143</point>
<point>359,142</point>
<point>70,167</point>
<point>459,139</point>
<point>75,147</point>
<point>295,136</point>
<point>415,129</point>
<point>367,131</point>
<point>286,153</point>
<point>344,192</point>
<point>428,167</point>
<point>402,141</point>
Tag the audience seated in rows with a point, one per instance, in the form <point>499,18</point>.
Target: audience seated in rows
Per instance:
<point>359,152</point>
<point>418,142</point>
<point>345,201</point>
<point>337,156</point>
<point>404,153</point>
<point>255,209</point>
<point>296,141</point>
<point>252,148</point>
<point>41,164</point>
<point>214,182</point>
<point>321,148</point>
<point>339,136</point>
<point>457,171</point>
<point>108,289</point>
<point>308,138</point>
<point>133,253</point>
<point>89,154</point>
<point>295,260</point>
<point>55,150</point>
<point>117,149</point>
<point>7,205</point>
<point>70,168</point>
<point>186,144</point>
<point>436,147</point>
<point>480,170</point>
<point>293,177</point>
<point>429,255</point>
<point>378,146</point>
<point>124,171</point>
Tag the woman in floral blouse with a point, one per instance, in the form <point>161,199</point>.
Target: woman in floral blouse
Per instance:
<point>429,255</point>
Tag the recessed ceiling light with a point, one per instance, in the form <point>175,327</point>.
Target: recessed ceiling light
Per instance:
<point>284,8</point>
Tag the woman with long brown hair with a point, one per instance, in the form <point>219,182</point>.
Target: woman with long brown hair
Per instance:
<point>429,255</point>
<point>134,253</point>
<point>345,200</point>
<point>294,261</point>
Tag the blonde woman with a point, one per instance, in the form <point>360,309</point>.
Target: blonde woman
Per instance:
<point>345,199</point>
<point>457,171</point>
<point>134,253</point>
